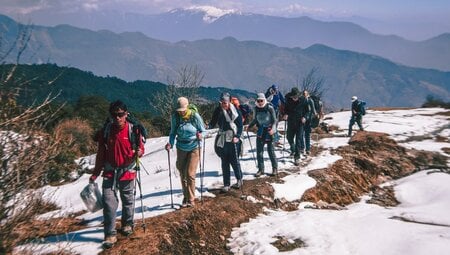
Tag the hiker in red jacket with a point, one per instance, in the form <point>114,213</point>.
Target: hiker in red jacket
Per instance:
<point>119,145</point>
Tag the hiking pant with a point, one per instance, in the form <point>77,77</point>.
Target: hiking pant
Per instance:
<point>260,154</point>
<point>230,157</point>
<point>292,130</point>
<point>299,140</point>
<point>187,163</point>
<point>111,201</point>
<point>355,118</point>
<point>306,140</point>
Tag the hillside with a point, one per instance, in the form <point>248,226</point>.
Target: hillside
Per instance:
<point>230,63</point>
<point>383,189</point>
<point>73,83</point>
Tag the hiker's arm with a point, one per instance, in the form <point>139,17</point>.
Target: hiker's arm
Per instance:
<point>141,150</point>
<point>99,158</point>
<point>253,122</point>
<point>239,125</point>
<point>201,126</point>
<point>274,118</point>
<point>172,130</point>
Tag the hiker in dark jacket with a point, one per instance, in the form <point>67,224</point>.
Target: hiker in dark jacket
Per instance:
<point>306,141</point>
<point>116,157</point>
<point>298,117</point>
<point>264,118</point>
<point>356,116</point>
<point>187,126</point>
<point>227,144</point>
<point>293,126</point>
<point>276,98</point>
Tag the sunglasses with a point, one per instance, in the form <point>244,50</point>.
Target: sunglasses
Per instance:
<point>118,114</point>
<point>260,100</point>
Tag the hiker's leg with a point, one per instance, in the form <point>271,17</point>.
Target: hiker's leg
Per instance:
<point>301,138</point>
<point>182,159</point>
<point>307,128</point>
<point>126,189</point>
<point>298,136</point>
<point>359,122</point>
<point>350,125</point>
<point>290,134</point>
<point>260,153</point>
<point>192,166</point>
<point>235,162</point>
<point>273,159</point>
<point>226,164</point>
<point>110,203</point>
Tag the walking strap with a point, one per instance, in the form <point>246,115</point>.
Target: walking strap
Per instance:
<point>118,172</point>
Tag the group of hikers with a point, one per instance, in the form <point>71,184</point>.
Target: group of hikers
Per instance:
<point>121,145</point>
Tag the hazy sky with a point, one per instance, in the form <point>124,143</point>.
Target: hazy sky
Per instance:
<point>406,12</point>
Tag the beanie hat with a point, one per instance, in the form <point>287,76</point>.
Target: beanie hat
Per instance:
<point>182,103</point>
<point>225,97</point>
<point>354,98</point>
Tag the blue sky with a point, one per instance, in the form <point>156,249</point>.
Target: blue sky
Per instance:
<point>393,16</point>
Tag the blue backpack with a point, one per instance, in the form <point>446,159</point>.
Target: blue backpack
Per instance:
<point>362,107</point>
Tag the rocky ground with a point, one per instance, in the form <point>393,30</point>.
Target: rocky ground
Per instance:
<point>369,160</point>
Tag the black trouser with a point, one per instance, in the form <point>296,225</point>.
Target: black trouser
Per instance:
<point>230,157</point>
<point>292,130</point>
<point>355,118</point>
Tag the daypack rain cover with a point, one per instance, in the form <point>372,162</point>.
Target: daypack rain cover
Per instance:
<point>92,197</point>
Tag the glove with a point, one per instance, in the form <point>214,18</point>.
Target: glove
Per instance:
<point>92,178</point>
<point>235,139</point>
<point>168,146</point>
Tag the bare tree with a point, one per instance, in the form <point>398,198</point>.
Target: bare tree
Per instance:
<point>186,83</point>
<point>26,149</point>
<point>313,83</point>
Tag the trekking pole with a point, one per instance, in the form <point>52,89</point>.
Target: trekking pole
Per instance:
<point>242,176</point>
<point>138,180</point>
<point>284,139</point>
<point>251,148</point>
<point>200,162</point>
<point>202,173</point>
<point>170,178</point>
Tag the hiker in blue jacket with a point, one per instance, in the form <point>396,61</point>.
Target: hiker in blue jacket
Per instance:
<point>228,139</point>
<point>187,127</point>
<point>264,118</point>
<point>356,116</point>
<point>276,98</point>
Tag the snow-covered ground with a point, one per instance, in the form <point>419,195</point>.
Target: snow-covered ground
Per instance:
<point>362,229</point>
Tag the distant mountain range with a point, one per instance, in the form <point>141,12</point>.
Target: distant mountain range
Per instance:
<point>202,23</point>
<point>248,65</point>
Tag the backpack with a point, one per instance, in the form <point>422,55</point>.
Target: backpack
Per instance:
<point>362,107</point>
<point>193,109</point>
<point>245,109</point>
<point>318,107</point>
<point>135,128</point>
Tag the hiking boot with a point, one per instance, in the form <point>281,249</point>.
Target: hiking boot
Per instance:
<point>237,185</point>
<point>297,161</point>
<point>184,203</point>
<point>275,172</point>
<point>308,152</point>
<point>225,189</point>
<point>259,173</point>
<point>190,204</point>
<point>292,154</point>
<point>109,242</point>
<point>127,230</point>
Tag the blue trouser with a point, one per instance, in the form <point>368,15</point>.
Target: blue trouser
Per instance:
<point>353,119</point>
<point>260,153</point>
<point>111,201</point>
<point>305,142</point>
<point>230,157</point>
<point>299,140</point>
